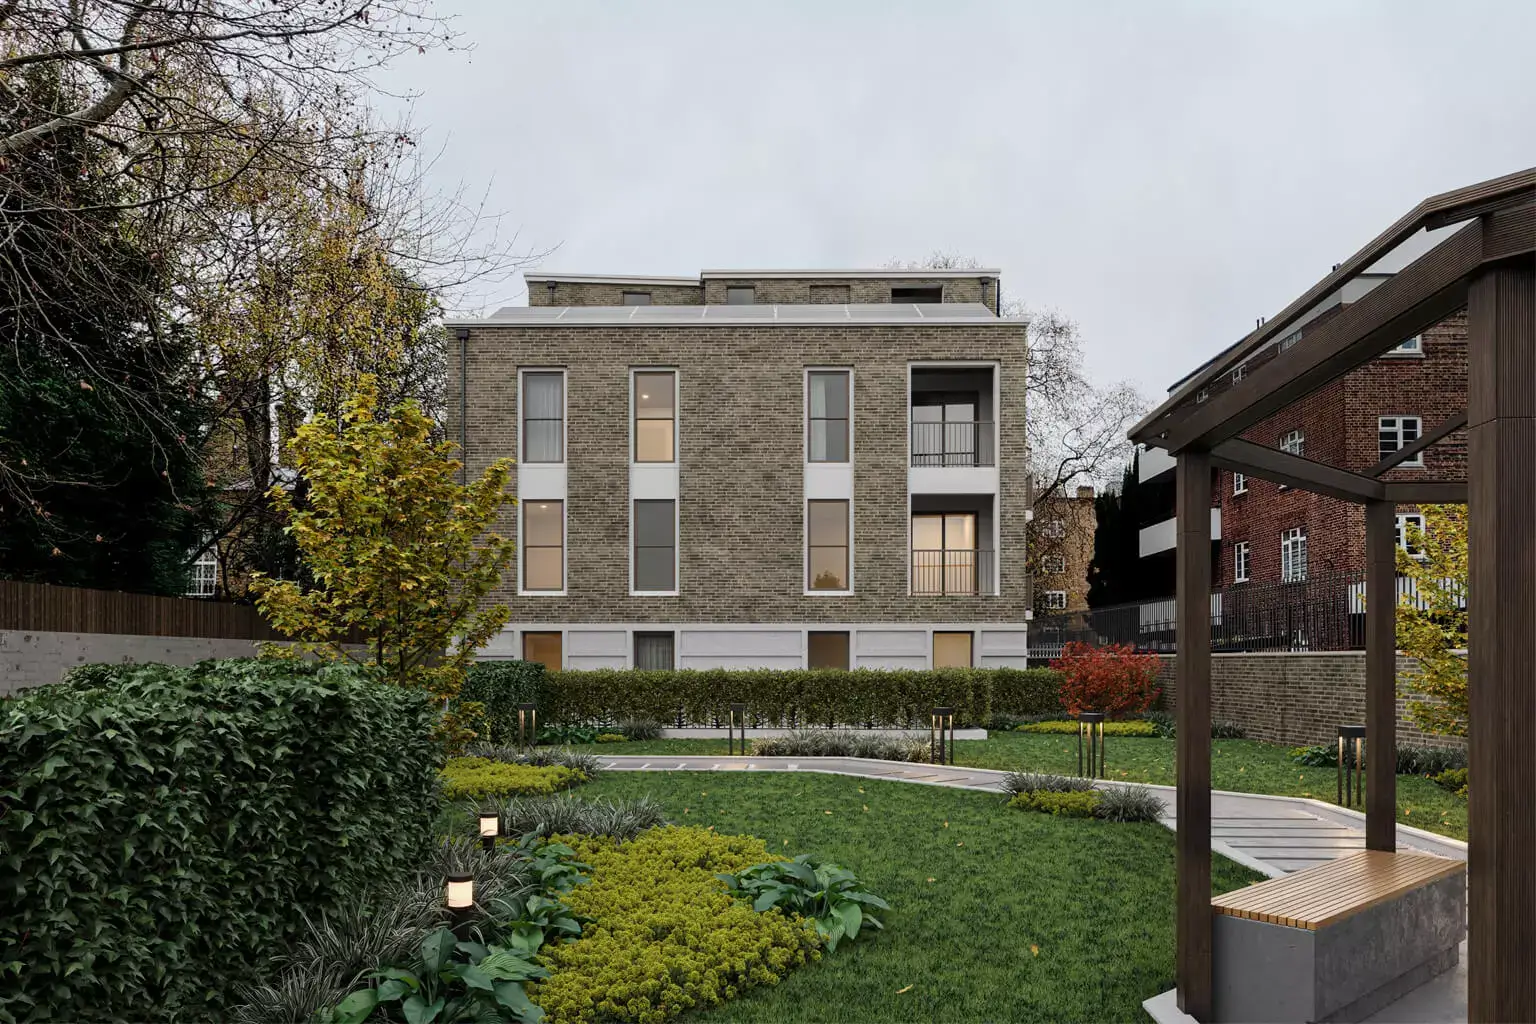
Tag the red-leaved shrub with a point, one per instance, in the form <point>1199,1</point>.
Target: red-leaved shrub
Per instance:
<point>1114,679</point>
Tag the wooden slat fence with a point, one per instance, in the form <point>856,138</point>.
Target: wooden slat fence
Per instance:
<point>42,607</point>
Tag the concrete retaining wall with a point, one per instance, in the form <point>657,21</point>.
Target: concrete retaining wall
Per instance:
<point>35,658</point>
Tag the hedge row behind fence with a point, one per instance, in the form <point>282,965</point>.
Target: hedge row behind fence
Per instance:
<point>163,830</point>
<point>779,697</point>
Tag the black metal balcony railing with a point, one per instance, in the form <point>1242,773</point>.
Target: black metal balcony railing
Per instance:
<point>963,443</point>
<point>953,572</point>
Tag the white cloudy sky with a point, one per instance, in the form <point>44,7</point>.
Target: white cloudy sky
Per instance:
<point>1163,172</point>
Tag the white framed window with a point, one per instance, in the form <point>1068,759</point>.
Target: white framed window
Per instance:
<point>1240,562</point>
<point>1294,442</point>
<point>204,581</point>
<point>655,652</point>
<point>1293,555</point>
<point>1413,346</point>
<point>1056,600</point>
<point>1239,372</point>
<point>828,415</point>
<point>1054,564</point>
<point>654,401</point>
<point>543,409</point>
<point>1404,539</point>
<point>653,533</point>
<point>1202,395</point>
<point>1056,528</point>
<point>1395,432</point>
<point>1239,483</point>
<point>1290,340</point>
<point>828,547</point>
<point>543,547</point>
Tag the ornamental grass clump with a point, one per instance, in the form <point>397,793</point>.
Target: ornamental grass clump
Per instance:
<point>1129,803</point>
<point>1038,782</point>
<point>571,815</point>
<point>478,777</point>
<point>589,765</point>
<point>665,936</point>
<point>844,743</point>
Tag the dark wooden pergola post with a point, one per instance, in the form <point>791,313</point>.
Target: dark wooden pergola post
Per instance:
<point>1501,670</point>
<point>1193,764</point>
<point>1381,675</point>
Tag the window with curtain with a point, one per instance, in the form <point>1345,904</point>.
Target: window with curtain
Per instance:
<point>655,535</point>
<point>826,534</point>
<point>543,545</point>
<point>828,407</point>
<point>655,416</point>
<point>655,652</point>
<point>544,416</point>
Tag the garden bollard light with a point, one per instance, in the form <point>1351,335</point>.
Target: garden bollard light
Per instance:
<point>943,718</point>
<point>490,828</point>
<point>1351,762</point>
<point>460,897</point>
<point>1090,726</point>
<point>527,725</point>
<point>738,712</point>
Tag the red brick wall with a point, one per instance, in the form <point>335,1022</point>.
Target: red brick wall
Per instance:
<point>1297,698</point>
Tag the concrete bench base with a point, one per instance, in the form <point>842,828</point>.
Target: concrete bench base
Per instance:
<point>1346,970</point>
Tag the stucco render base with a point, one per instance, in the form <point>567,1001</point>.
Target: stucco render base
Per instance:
<point>38,658</point>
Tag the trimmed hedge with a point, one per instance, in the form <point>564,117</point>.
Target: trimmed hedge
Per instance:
<point>796,697</point>
<point>499,687</point>
<point>166,830</point>
<point>1131,728</point>
<point>477,777</point>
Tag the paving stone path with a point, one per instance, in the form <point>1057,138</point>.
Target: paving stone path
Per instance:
<point>1272,834</point>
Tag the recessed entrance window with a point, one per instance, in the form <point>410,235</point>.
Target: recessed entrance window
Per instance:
<point>951,650</point>
<point>826,650</point>
<point>944,555</point>
<point>918,293</point>
<point>827,411</point>
<point>544,648</point>
<point>655,652</point>
<point>826,538</point>
<point>544,416</point>
<point>544,545</point>
<point>655,416</point>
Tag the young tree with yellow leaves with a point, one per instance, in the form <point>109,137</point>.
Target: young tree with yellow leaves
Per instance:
<point>1432,619</point>
<point>397,549</point>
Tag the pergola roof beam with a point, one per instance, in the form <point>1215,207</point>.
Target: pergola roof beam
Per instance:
<point>1294,471</point>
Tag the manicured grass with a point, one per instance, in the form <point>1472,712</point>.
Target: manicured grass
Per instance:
<point>998,914</point>
<point>1241,766</point>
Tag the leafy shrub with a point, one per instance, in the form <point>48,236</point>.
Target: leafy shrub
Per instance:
<point>478,777</point>
<point>640,729</point>
<point>844,743</point>
<point>612,737</point>
<point>1324,755</point>
<point>1082,804</point>
<point>1069,728</point>
<point>94,675</point>
<point>665,935</point>
<point>562,734</point>
<point>1224,729</point>
<point>1453,779</point>
<point>499,687</point>
<point>813,888</point>
<point>170,828</point>
<point>571,815</point>
<point>1114,679</point>
<point>589,765</point>
<point>1428,760</point>
<point>1129,803</point>
<point>1165,722</point>
<point>1036,782</point>
<point>451,980</point>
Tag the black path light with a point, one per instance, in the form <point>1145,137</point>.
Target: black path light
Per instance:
<point>943,718</point>
<point>460,897</point>
<point>738,714</point>
<point>1351,762</point>
<point>1090,730</point>
<point>490,828</point>
<point>527,725</point>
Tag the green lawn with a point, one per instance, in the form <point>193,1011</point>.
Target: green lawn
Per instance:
<point>999,915</point>
<point>1243,766</point>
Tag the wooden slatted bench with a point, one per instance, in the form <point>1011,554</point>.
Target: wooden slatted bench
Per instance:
<point>1337,941</point>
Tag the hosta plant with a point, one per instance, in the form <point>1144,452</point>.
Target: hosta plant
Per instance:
<point>452,981</point>
<point>814,888</point>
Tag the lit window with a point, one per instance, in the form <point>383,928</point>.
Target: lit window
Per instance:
<point>1293,555</point>
<point>544,416</point>
<point>826,650</point>
<point>544,545</point>
<point>1239,483</point>
<point>544,648</point>
<point>1395,432</point>
<point>827,409</point>
<point>656,416</point>
<point>1410,535</point>
<point>1240,562</point>
<point>1056,600</point>
<point>654,652</point>
<point>826,539</point>
<point>1055,564</point>
<point>740,295</point>
<point>951,650</point>
<point>944,555</point>
<point>655,533</point>
<point>205,574</point>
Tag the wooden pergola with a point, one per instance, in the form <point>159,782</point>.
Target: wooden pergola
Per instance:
<point>1488,266</point>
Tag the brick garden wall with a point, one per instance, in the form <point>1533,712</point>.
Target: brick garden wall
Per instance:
<point>1297,698</point>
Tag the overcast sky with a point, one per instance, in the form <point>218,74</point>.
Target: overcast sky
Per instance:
<point>1162,172</point>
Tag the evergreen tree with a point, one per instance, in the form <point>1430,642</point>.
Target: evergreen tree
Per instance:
<point>1115,574</point>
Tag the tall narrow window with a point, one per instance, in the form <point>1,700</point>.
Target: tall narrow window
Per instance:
<point>544,416</point>
<point>655,652</point>
<point>826,650</point>
<point>543,545</point>
<point>1394,432</point>
<point>951,650</point>
<point>827,408</point>
<point>544,648</point>
<point>655,545</point>
<point>826,533</point>
<point>1293,555</point>
<point>1410,534</point>
<point>1239,483</point>
<point>656,416</point>
<point>1240,562</point>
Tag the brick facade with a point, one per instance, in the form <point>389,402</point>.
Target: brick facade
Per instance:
<point>1074,548</point>
<point>767,290</point>
<point>741,439</point>
<point>598,293</point>
<point>1297,698</point>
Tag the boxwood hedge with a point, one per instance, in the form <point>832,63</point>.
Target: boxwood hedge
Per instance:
<point>793,697</point>
<point>164,830</point>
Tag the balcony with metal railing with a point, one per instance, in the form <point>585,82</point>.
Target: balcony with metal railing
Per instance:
<point>953,572</point>
<point>954,444</point>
